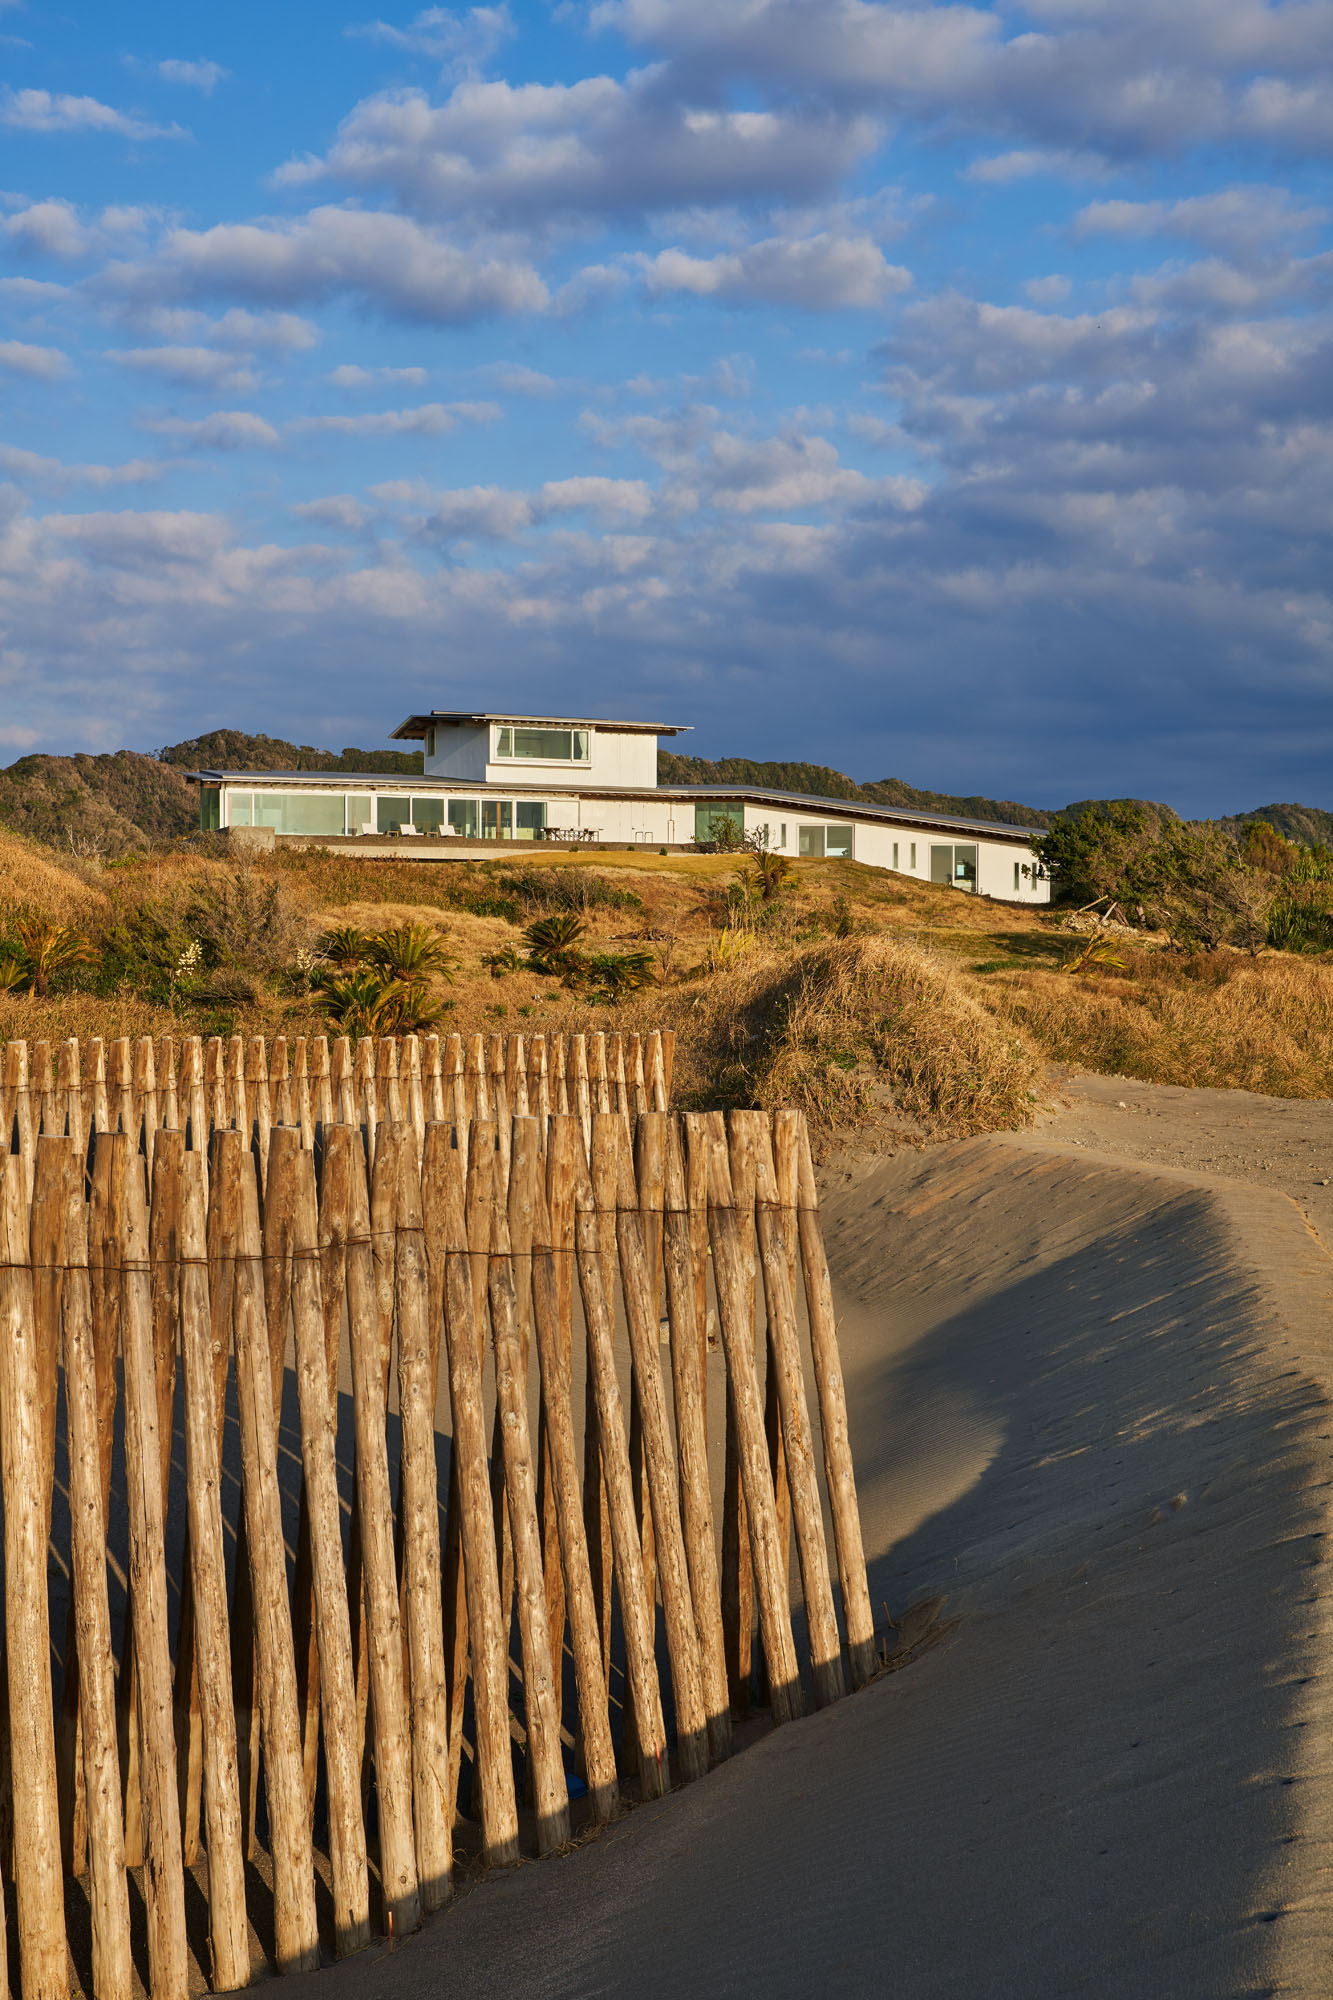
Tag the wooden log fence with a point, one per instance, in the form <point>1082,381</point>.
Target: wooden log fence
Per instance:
<point>416,1614</point>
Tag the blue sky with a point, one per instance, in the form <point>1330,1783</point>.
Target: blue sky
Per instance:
<point>937,391</point>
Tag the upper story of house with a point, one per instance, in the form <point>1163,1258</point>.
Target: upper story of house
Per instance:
<point>538,749</point>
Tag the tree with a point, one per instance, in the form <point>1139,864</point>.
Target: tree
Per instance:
<point>38,951</point>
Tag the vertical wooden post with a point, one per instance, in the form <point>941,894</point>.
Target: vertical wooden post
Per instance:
<point>99,1114</point>
<point>692,1445</point>
<point>563,1164</point>
<point>641,1671</point>
<point>165,1875</point>
<point>294,1922</point>
<point>541,1709</point>
<point>40,1891</point>
<point>422,1590</point>
<point>47,1232</point>
<point>70,1088</point>
<point>737,1569</point>
<point>168,1083</point>
<point>113,1972</point>
<point>196,1104</point>
<point>791,1136</point>
<point>433,1081</point>
<point>43,1088</point>
<point>785,1368</point>
<point>731,1272</point>
<point>208,1597</point>
<point>489,1664</point>
<point>584,1630</point>
<point>411,1087</point>
<point>643,1318</point>
<point>303,1105</point>
<point>293,1166</point>
<point>145,1096</point>
<point>280,1090</point>
<point>384,1638</point>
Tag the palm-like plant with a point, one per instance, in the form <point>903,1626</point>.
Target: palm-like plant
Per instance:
<point>616,973</point>
<point>360,1002</point>
<point>345,946</point>
<point>553,942</point>
<point>39,951</point>
<point>769,875</point>
<point>411,952</point>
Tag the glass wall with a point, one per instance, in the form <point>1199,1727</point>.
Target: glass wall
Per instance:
<point>393,811</point>
<point>497,819</point>
<point>543,746</point>
<point>209,808</point>
<point>957,865</point>
<point>810,840</point>
<point>838,840</point>
<point>428,815</point>
<point>465,818</point>
<point>240,809</point>
<point>300,812</point>
<point>529,820</point>
<point>711,822</point>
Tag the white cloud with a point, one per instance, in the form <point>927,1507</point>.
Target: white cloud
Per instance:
<point>462,42</point>
<point>1026,163</point>
<point>427,420</point>
<point>350,376</point>
<point>205,76</point>
<point>504,153</point>
<point>47,111</point>
<point>54,474</point>
<point>383,260</point>
<point>191,367</point>
<point>336,510</point>
<point>224,430</point>
<point>1048,291</point>
<point>237,329</point>
<point>55,228</point>
<point>819,273</point>
<point>1248,224</point>
<point>45,364</point>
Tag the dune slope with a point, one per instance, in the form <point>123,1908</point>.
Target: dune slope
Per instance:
<point>1091,1403</point>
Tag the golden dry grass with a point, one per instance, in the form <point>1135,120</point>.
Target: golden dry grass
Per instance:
<point>32,878</point>
<point>1265,1025</point>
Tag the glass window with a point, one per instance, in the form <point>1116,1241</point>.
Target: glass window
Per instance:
<point>428,814</point>
<point>300,812</point>
<point>914,854</point>
<point>497,819</point>
<point>782,834</point>
<point>240,809</point>
<point>810,840</point>
<point>546,746</point>
<point>895,854</point>
<point>941,864</point>
<point>392,812</point>
<point>529,819</point>
<point>838,840</point>
<point>210,808</point>
<point>1015,877</point>
<point>465,818</point>
<point>965,867</point>
<point>712,822</point>
<point>430,742</point>
<point>360,811</point>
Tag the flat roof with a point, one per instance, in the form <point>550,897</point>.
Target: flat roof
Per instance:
<point>812,802</point>
<point>417,725</point>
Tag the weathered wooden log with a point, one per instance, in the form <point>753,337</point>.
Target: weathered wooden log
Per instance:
<point>481,1578</point>
<point>291,1171</point>
<point>113,1972</point>
<point>227,1926</point>
<point>692,1446</point>
<point>422,1588</point>
<point>40,1891</point>
<point>790,1135</point>
<point>643,1319</point>
<point>584,1630</point>
<point>732,1275</point>
<point>384,1638</point>
<point>295,1929</point>
<point>785,1367</point>
<point>164,1873</point>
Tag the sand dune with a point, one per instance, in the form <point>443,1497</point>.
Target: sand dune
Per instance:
<point>1091,1406</point>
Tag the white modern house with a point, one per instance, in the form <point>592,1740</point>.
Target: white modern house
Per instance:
<point>575,779</point>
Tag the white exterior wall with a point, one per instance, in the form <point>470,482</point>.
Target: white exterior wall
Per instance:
<point>460,752</point>
<point>657,819</point>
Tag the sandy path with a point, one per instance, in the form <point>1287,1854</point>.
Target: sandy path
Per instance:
<point>1092,1404</point>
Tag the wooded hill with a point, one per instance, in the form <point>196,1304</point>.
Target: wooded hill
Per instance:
<point>122,800</point>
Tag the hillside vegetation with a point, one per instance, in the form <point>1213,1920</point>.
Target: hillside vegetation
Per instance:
<point>872,1000</point>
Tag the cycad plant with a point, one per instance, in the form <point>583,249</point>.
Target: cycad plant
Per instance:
<point>345,946</point>
<point>553,944</point>
<point>36,951</point>
<point>411,952</point>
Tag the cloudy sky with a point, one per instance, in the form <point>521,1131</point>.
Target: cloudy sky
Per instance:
<point>942,391</point>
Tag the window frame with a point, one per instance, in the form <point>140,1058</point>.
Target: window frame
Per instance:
<point>504,738</point>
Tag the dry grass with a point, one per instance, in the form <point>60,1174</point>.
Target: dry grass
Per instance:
<point>1264,1024</point>
<point>849,1031</point>
<point>33,878</point>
